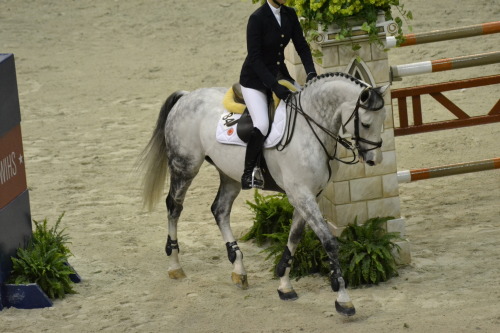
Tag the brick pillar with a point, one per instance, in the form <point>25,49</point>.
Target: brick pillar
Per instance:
<point>359,190</point>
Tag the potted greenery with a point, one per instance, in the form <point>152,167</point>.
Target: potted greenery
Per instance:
<point>366,251</point>
<point>273,218</point>
<point>343,15</point>
<point>44,262</point>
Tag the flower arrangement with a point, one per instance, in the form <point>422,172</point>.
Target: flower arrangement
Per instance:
<point>316,14</point>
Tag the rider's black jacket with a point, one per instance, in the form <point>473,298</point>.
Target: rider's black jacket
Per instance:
<point>266,41</point>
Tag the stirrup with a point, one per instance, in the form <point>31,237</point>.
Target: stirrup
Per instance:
<point>257,178</point>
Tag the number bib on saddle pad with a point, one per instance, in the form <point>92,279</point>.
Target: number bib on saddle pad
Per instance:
<point>229,134</point>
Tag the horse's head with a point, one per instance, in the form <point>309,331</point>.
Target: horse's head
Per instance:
<point>365,124</point>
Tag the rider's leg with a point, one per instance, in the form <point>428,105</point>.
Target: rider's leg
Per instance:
<point>257,105</point>
<point>256,102</point>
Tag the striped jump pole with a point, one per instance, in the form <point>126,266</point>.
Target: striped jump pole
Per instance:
<point>445,64</point>
<point>446,34</point>
<point>408,176</point>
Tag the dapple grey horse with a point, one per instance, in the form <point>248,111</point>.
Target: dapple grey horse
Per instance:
<point>184,138</point>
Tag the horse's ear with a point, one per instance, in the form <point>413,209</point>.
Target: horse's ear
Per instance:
<point>382,89</point>
<point>371,98</point>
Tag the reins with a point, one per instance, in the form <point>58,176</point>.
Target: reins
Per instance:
<point>296,108</point>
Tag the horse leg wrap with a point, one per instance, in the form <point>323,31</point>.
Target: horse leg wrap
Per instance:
<point>232,247</point>
<point>285,262</point>
<point>335,275</point>
<point>171,245</point>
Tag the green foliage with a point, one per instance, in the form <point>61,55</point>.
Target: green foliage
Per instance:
<point>365,252</point>
<point>51,238</point>
<point>44,261</point>
<point>273,218</point>
<point>271,214</point>
<point>310,256</point>
<point>322,13</point>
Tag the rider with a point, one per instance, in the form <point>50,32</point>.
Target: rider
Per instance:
<point>269,30</point>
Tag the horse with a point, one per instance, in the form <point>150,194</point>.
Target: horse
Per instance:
<point>184,137</point>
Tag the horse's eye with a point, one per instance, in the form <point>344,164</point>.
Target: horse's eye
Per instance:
<point>365,125</point>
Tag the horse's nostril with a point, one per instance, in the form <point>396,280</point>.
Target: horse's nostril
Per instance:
<point>370,163</point>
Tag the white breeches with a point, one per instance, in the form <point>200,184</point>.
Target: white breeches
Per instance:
<point>256,102</point>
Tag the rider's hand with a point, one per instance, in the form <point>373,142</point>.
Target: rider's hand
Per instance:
<point>282,92</point>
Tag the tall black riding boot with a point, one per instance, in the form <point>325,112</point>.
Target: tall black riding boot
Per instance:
<point>254,149</point>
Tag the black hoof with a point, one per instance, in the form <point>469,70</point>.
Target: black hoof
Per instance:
<point>345,309</point>
<point>288,296</point>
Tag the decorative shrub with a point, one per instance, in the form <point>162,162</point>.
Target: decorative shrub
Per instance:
<point>44,261</point>
<point>310,256</point>
<point>322,13</point>
<point>273,218</point>
<point>272,213</point>
<point>365,250</point>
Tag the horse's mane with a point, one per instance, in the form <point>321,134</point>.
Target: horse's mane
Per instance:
<point>370,101</point>
<point>339,75</point>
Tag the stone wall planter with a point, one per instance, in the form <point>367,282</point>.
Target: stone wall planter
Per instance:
<point>331,34</point>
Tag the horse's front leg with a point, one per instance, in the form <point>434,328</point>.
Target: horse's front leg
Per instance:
<point>221,209</point>
<point>310,211</point>
<point>285,289</point>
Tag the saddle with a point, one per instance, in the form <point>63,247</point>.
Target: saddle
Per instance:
<point>234,102</point>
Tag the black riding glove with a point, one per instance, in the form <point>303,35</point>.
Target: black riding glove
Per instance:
<point>311,76</point>
<point>282,92</point>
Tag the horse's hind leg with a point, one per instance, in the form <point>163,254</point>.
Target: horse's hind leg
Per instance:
<point>221,209</point>
<point>179,184</point>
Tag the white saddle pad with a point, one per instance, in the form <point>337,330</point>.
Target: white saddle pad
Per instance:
<point>227,134</point>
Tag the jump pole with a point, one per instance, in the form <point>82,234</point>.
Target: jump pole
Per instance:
<point>446,34</point>
<point>408,176</point>
<point>445,64</point>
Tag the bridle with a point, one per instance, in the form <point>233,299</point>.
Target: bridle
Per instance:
<point>294,102</point>
<point>357,137</point>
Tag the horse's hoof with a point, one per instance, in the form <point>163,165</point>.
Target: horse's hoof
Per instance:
<point>290,295</point>
<point>176,274</point>
<point>240,280</point>
<point>345,308</point>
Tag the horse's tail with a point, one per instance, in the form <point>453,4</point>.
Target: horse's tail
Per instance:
<point>153,159</point>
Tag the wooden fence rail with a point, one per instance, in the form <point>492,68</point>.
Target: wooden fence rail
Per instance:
<point>435,91</point>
